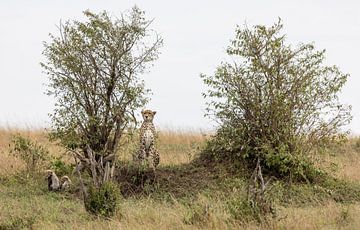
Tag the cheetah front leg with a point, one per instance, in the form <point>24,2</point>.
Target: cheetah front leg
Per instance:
<point>140,156</point>
<point>154,157</point>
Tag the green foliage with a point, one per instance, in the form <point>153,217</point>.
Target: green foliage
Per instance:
<point>299,194</point>
<point>18,223</point>
<point>276,161</point>
<point>94,70</point>
<point>275,102</point>
<point>60,167</point>
<point>304,194</point>
<point>243,210</point>
<point>246,210</point>
<point>32,153</point>
<point>103,201</point>
<point>342,191</point>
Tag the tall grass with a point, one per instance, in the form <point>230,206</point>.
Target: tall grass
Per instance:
<point>26,203</point>
<point>175,147</point>
<point>10,164</point>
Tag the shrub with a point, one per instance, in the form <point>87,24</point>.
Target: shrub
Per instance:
<point>32,153</point>
<point>275,103</point>
<point>103,201</point>
<point>60,167</point>
<point>243,210</point>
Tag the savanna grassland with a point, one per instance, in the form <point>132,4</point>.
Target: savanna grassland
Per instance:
<point>187,193</point>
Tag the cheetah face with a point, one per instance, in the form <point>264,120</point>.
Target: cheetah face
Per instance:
<point>65,178</point>
<point>49,172</point>
<point>148,115</point>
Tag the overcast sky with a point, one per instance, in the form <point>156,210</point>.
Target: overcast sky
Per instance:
<point>196,34</point>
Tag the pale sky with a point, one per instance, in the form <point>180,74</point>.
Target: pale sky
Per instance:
<point>196,34</point>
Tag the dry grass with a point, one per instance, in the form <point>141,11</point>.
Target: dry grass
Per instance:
<point>342,161</point>
<point>179,147</point>
<point>175,147</point>
<point>27,204</point>
<point>9,164</point>
<point>329,216</point>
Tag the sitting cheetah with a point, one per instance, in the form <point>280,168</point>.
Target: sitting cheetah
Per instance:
<point>54,184</point>
<point>147,140</point>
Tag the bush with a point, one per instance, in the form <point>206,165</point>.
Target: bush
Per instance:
<point>243,210</point>
<point>103,201</point>
<point>60,167</point>
<point>342,191</point>
<point>226,146</point>
<point>32,153</point>
<point>276,103</point>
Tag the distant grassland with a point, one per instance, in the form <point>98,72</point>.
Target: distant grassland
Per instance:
<point>186,196</point>
<point>176,147</point>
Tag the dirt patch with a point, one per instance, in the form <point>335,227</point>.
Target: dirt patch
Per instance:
<point>179,181</point>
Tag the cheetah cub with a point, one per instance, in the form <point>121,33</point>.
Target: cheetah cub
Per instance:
<point>147,148</point>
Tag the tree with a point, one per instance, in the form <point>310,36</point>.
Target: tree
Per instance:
<point>93,69</point>
<point>275,102</point>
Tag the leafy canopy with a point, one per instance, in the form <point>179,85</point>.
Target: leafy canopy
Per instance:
<point>275,102</point>
<point>93,69</point>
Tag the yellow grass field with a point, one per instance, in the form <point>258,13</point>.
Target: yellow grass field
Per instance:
<point>185,197</point>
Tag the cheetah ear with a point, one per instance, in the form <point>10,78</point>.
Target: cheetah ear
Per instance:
<point>154,112</point>
<point>142,111</point>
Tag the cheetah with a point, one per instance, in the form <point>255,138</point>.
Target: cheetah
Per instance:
<point>54,184</point>
<point>53,181</point>
<point>147,140</point>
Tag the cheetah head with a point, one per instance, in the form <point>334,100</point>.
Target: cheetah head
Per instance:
<point>148,115</point>
<point>49,172</point>
<point>65,178</point>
